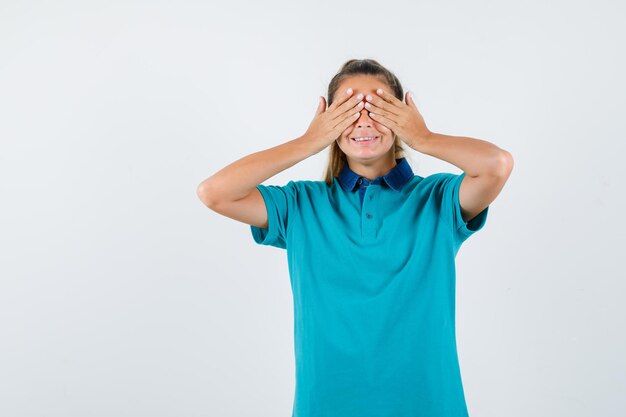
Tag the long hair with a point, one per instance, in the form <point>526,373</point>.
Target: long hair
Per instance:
<point>336,157</point>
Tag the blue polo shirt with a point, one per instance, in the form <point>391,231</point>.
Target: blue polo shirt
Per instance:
<point>372,271</point>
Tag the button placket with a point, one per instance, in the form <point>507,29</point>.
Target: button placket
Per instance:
<point>368,223</point>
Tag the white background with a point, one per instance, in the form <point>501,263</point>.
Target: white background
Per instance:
<point>121,294</point>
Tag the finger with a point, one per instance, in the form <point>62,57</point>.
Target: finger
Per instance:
<point>385,121</point>
<point>410,101</point>
<point>382,112</point>
<point>341,98</point>
<point>385,103</point>
<point>353,105</point>
<point>348,118</point>
<point>349,105</point>
<point>388,97</point>
<point>321,106</point>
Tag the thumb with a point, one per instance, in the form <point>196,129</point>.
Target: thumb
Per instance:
<point>321,106</point>
<point>409,100</point>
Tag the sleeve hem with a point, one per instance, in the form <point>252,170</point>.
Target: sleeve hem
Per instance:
<point>474,224</point>
<point>266,236</point>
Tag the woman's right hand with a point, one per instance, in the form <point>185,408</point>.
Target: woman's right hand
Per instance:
<point>328,125</point>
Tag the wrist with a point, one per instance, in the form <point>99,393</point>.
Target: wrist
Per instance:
<point>310,144</point>
<point>420,142</point>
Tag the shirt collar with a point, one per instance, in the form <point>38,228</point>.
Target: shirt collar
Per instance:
<point>396,178</point>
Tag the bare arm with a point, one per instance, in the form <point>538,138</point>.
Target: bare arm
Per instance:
<point>238,179</point>
<point>487,168</point>
<point>232,190</point>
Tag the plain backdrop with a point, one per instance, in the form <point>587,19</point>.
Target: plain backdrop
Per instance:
<point>121,294</point>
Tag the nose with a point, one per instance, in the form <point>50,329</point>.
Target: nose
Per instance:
<point>364,119</point>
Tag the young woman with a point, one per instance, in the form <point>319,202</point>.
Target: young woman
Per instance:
<point>371,249</point>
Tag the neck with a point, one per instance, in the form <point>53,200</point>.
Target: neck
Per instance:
<point>374,168</point>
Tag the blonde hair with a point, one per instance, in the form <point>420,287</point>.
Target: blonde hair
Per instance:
<point>336,157</point>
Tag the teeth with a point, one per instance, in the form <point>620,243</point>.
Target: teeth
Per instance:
<point>362,139</point>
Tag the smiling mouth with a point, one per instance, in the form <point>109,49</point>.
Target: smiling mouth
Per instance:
<point>368,140</point>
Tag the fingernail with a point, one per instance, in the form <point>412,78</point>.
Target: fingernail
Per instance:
<point>349,91</point>
<point>379,91</point>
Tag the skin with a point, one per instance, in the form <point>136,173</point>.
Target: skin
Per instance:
<point>373,159</point>
<point>232,190</point>
<point>487,167</point>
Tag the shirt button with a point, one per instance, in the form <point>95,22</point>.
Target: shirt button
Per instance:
<point>369,215</point>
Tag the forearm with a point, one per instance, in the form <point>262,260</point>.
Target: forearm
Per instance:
<point>239,178</point>
<point>474,156</point>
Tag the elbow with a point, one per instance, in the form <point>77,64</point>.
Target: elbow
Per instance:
<point>507,162</point>
<point>205,194</point>
<point>503,164</point>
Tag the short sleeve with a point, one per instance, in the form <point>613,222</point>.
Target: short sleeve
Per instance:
<point>281,205</point>
<point>451,208</point>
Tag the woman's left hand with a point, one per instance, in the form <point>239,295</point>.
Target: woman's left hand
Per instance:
<point>402,118</point>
